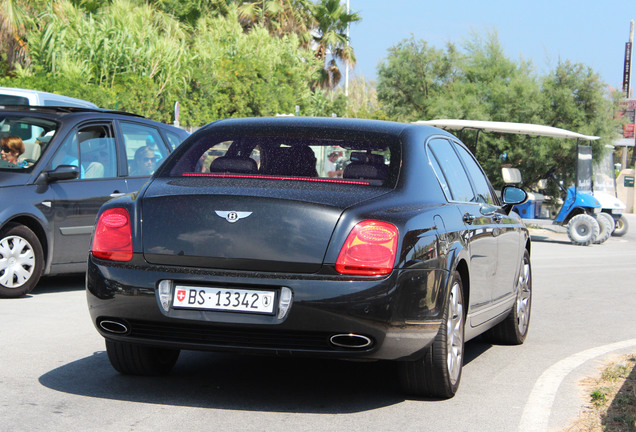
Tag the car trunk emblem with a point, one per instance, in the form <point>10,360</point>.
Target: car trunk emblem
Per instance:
<point>232,216</point>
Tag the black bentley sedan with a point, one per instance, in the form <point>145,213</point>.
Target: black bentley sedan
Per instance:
<point>58,166</point>
<point>352,239</point>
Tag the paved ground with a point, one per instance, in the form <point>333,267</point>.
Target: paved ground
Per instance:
<point>55,375</point>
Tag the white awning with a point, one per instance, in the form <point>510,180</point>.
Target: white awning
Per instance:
<point>506,127</point>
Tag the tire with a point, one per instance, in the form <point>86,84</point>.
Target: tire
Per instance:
<point>438,373</point>
<point>583,229</point>
<point>606,226</point>
<point>21,260</point>
<point>514,329</point>
<point>132,359</point>
<point>621,227</point>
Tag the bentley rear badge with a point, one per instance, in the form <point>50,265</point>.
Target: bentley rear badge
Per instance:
<point>232,216</point>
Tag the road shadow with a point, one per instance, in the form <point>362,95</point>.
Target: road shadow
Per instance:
<point>54,284</point>
<point>621,414</point>
<point>555,239</point>
<point>247,383</point>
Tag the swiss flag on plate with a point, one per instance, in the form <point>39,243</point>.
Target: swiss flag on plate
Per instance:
<point>181,295</point>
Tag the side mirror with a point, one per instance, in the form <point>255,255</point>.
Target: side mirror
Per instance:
<point>62,172</point>
<point>512,196</point>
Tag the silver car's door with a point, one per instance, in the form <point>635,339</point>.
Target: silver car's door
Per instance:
<point>75,202</point>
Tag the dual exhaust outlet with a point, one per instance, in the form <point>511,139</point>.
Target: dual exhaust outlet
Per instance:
<point>351,341</point>
<point>343,340</point>
<point>112,326</point>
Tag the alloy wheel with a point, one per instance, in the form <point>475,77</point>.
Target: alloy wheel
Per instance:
<point>455,336</point>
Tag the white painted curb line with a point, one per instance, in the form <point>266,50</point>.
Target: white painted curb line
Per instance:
<point>536,414</point>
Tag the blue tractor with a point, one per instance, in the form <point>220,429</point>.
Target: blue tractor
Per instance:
<point>580,212</point>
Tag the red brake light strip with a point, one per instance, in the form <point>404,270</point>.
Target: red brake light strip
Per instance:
<point>257,177</point>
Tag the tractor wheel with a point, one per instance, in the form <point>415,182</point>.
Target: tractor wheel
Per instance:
<point>606,226</point>
<point>583,229</point>
<point>621,227</point>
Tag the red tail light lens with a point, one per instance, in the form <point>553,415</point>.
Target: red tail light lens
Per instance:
<point>370,249</point>
<point>113,236</point>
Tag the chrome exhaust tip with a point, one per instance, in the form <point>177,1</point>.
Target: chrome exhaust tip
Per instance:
<point>111,326</point>
<point>351,341</point>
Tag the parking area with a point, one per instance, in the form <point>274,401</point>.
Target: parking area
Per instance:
<point>55,375</point>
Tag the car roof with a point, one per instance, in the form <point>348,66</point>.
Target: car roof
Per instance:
<point>61,110</point>
<point>62,99</point>
<point>327,127</point>
<point>313,122</point>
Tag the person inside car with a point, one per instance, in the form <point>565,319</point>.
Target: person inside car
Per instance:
<point>12,148</point>
<point>145,162</point>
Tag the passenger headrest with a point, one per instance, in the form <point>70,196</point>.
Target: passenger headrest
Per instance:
<point>236,165</point>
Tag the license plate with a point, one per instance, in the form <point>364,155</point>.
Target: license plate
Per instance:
<point>224,299</point>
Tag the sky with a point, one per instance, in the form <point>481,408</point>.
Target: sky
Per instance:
<point>590,32</point>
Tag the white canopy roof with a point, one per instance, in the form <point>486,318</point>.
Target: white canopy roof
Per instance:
<point>506,127</point>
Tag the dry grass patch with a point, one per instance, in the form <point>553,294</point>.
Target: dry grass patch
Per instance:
<point>611,402</point>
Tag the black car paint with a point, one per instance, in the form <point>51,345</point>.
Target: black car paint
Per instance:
<point>400,312</point>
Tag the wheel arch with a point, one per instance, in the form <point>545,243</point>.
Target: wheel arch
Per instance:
<point>574,212</point>
<point>34,225</point>
<point>462,269</point>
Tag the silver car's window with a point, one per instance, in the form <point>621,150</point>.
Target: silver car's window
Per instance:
<point>145,149</point>
<point>92,149</point>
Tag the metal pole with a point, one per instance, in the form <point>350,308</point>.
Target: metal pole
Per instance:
<point>626,78</point>
<point>347,65</point>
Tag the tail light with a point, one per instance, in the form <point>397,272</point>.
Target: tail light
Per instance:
<point>113,236</point>
<point>370,249</point>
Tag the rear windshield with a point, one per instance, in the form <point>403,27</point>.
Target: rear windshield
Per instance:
<point>24,139</point>
<point>359,162</point>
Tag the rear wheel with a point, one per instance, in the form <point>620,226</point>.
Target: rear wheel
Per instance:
<point>606,226</point>
<point>438,373</point>
<point>582,229</point>
<point>621,227</point>
<point>21,260</point>
<point>133,359</point>
<point>513,330</point>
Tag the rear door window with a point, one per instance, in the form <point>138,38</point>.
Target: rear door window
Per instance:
<point>480,181</point>
<point>452,173</point>
<point>145,149</point>
<point>173,139</point>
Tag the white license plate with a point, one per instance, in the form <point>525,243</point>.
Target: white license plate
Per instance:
<point>223,299</point>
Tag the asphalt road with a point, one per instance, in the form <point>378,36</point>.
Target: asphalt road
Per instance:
<point>55,375</point>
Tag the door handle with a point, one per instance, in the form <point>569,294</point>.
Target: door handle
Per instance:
<point>117,194</point>
<point>468,218</point>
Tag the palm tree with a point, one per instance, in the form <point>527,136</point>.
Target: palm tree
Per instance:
<point>280,17</point>
<point>13,20</point>
<point>331,39</point>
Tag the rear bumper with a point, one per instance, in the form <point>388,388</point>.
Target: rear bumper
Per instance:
<point>399,314</point>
